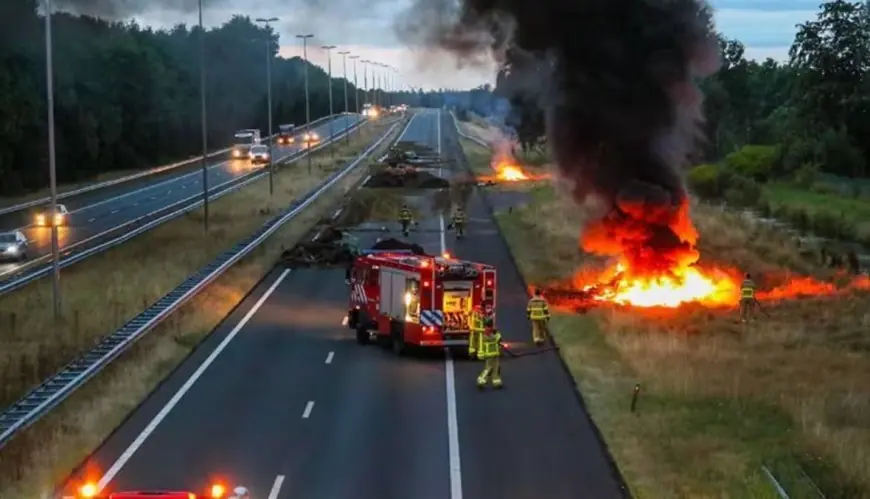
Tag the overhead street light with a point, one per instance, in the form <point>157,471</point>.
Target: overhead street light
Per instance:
<point>52,163</point>
<point>307,100</point>
<point>203,121</point>
<point>355,88</point>
<point>328,49</point>
<point>366,81</point>
<point>344,55</point>
<point>269,97</point>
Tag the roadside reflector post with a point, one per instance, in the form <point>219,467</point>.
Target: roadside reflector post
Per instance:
<point>634,397</point>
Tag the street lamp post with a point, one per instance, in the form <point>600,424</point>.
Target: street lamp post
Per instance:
<point>307,101</point>
<point>355,89</point>
<point>344,55</point>
<point>269,98</point>
<point>203,122</point>
<point>328,49</point>
<point>366,81</point>
<point>52,163</point>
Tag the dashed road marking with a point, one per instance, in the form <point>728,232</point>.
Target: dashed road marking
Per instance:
<point>329,357</point>
<point>308,408</point>
<point>276,487</point>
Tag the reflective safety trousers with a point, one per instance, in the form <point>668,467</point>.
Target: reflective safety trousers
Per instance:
<point>747,290</point>
<point>538,309</point>
<point>489,346</point>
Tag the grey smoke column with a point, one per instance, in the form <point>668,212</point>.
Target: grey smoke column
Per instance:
<point>616,79</point>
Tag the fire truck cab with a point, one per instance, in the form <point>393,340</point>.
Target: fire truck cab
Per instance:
<point>408,299</point>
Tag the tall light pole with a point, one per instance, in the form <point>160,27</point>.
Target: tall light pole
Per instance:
<point>328,49</point>
<point>203,122</point>
<point>52,163</point>
<point>344,54</point>
<point>366,81</point>
<point>356,89</point>
<point>269,97</point>
<point>307,101</point>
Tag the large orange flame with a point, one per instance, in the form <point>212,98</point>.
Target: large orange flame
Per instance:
<point>668,276</point>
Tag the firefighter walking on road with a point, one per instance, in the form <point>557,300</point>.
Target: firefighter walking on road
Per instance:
<point>539,313</point>
<point>405,219</point>
<point>489,351</point>
<point>475,328</point>
<point>747,298</point>
<point>459,222</point>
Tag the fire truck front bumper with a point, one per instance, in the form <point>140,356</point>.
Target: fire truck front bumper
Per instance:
<point>445,340</point>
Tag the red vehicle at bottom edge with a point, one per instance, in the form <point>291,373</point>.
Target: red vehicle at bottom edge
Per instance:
<point>420,300</point>
<point>216,491</point>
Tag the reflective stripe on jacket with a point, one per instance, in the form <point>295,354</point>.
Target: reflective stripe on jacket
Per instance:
<point>459,218</point>
<point>747,291</point>
<point>405,214</point>
<point>489,345</point>
<point>537,309</point>
<point>476,322</point>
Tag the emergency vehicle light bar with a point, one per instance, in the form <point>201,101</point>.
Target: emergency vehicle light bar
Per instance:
<point>375,251</point>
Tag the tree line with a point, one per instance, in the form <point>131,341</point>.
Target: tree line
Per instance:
<point>767,120</point>
<point>128,97</point>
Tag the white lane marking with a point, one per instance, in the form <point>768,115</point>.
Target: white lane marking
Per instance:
<point>115,211</point>
<point>142,437</point>
<point>308,408</point>
<point>329,357</point>
<point>450,378</point>
<point>91,219</point>
<point>276,487</point>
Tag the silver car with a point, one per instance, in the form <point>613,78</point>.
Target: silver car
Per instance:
<point>13,246</point>
<point>259,154</point>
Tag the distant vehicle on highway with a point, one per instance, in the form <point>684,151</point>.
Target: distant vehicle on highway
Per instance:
<point>243,140</point>
<point>59,217</point>
<point>310,137</point>
<point>259,154</point>
<point>286,134</point>
<point>13,245</point>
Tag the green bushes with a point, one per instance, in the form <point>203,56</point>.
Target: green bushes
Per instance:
<point>755,162</point>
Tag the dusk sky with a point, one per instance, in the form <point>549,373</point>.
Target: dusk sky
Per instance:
<point>365,28</point>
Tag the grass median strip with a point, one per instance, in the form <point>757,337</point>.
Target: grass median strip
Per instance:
<point>718,400</point>
<point>107,290</point>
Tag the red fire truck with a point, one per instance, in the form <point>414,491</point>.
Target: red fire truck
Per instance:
<point>420,300</point>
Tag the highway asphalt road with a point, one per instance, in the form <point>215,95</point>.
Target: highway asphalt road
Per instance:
<point>282,400</point>
<point>99,214</point>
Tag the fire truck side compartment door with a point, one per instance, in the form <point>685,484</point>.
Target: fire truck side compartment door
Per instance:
<point>393,293</point>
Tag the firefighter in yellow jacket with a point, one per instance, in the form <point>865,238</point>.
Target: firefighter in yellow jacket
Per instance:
<point>747,298</point>
<point>539,313</point>
<point>405,219</point>
<point>459,222</point>
<point>475,327</point>
<point>489,350</point>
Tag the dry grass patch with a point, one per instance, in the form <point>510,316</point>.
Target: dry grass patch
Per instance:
<point>44,454</point>
<point>718,400</point>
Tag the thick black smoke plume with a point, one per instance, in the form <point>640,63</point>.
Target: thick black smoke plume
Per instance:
<point>616,79</point>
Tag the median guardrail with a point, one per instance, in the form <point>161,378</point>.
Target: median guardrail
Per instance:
<point>78,251</point>
<point>160,169</point>
<point>56,389</point>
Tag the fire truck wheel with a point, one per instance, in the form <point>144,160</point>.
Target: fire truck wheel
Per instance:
<point>397,338</point>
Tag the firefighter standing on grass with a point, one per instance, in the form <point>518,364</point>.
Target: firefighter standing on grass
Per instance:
<point>459,222</point>
<point>476,328</point>
<point>747,298</point>
<point>539,313</point>
<point>489,351</point>
<point>405,219</point>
